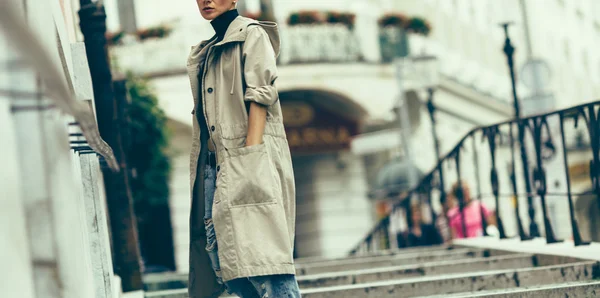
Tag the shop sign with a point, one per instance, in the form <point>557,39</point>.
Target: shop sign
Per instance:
<point>312,129</point>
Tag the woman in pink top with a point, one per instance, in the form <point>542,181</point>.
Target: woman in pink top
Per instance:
<point>472,211</point>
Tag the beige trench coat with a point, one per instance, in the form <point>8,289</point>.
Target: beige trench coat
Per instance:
<point>254,204</point>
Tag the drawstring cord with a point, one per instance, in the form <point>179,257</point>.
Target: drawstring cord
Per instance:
<point>233,77</point>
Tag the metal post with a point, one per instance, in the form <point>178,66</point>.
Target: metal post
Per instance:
<point>478,181</point>
<point>513,182</point>
<point>574,226</point>
<point>492,134</point>
<point>509,51</point>
<point>126,252</point>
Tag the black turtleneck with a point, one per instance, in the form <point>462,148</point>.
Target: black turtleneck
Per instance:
<point>222,22</point>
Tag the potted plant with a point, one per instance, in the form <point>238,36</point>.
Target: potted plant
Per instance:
<point>394,29</point>
<point>261,16</point>
<point>309,17</point>
<point>154,32</point>
<point>392,36</point>
<point>341,18</point>
<point>419,26</point>
<point>394,19</point>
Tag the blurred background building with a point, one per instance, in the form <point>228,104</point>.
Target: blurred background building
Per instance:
<point>338,88</point>
<point>359,83</point>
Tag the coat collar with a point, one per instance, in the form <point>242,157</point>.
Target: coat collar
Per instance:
<point>237,31</point>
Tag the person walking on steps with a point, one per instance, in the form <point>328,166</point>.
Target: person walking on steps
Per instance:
<point>243,194</point>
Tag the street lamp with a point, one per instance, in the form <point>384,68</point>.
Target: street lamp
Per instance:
<point>509,51</point>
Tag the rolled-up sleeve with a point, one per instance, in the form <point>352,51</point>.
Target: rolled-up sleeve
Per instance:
<point>260,70</point>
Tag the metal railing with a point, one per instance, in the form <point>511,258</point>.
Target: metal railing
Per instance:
<point>551,140</point>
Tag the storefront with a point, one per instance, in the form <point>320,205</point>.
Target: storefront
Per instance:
<point>333,211</point>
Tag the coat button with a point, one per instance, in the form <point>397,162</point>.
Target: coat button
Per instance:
<point>218,168</point>
<point>212,128</point>
<point>210,90</point>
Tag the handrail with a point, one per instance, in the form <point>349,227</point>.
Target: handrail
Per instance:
<point>539,128</point>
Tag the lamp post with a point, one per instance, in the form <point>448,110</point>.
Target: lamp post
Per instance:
<point>509,51</point>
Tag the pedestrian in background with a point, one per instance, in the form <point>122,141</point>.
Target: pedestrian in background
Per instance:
<point>419,233</point>
<point>243,194</point>
<point>472,210</point>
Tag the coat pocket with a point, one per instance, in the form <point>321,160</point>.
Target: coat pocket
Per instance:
<point>250,176</point>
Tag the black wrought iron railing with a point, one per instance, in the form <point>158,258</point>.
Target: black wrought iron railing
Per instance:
<point>491,159</point>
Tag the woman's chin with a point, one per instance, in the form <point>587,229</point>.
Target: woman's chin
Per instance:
<point>209,16</point>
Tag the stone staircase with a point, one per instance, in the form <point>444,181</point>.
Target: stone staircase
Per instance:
<point>455,271</point>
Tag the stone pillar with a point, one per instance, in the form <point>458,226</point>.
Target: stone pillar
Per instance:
<point>91,183</point>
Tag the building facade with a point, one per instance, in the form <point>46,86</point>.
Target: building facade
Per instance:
<point>339,95</point>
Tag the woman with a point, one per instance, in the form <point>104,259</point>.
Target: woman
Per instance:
<point>419,233</point>
<point>472,211</point>
<point>243,193</point>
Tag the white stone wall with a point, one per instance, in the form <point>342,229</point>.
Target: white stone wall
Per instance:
<point>53,205</point>
<point>565,35</point>
<point>333,212</point>
<point>179,187</point>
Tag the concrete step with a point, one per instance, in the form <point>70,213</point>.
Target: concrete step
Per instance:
<point>443,286</point>
<point>586,289</point>
<point>550,281</point>
<point>166,281</point>
<point>415,270</point>
<point>386,261</point>
<point>308,260</point>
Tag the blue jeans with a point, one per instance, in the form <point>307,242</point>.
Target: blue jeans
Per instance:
<point>275,286</point>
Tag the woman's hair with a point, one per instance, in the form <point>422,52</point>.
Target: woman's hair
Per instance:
<point>460,191</point>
